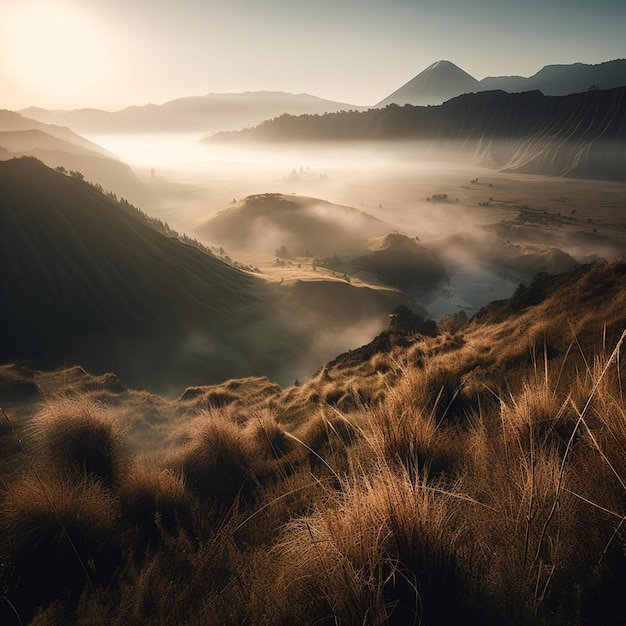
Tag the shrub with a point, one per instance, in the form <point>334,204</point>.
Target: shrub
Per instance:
<point>215,463</point>
<point>61,536</point>
<point>152,501</point>
<point>80,438</point>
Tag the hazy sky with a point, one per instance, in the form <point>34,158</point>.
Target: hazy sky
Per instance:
<point>114,53</point>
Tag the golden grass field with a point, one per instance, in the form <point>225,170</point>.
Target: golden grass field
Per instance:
<point>476,476</point>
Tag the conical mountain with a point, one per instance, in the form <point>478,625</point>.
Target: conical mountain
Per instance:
<point>436,84</point>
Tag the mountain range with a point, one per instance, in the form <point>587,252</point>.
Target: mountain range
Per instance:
<point>580,135</point>
<point>201,114</point>
<point>230,111</point>
<point>444,80</point>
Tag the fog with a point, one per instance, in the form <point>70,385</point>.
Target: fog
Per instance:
<point>492,230</point>
<point>381,178</point>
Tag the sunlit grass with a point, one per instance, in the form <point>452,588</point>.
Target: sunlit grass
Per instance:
<point>482,478</point>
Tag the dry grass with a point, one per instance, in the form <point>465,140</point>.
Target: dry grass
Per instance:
<point>78,437</point>
<point>463,491</point>
<point>216,462</point>
<point>383,552</point>
<point>154,501</point>
<point>62,537</point>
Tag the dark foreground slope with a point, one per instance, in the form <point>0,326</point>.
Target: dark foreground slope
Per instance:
<point>85,281</point>
<point>580,135</point>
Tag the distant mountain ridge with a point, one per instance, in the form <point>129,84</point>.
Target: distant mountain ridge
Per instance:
<point>561,80</point>
<point>214,112</point>
<point>444,80</point>
<point>201,114</point>
<point>58,146</point>
<point>580,135</point>
<point>12,121</point>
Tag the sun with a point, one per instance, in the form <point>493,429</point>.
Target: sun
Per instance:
<point>53,49</point>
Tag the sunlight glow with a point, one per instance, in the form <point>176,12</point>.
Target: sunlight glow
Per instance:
<point>53,49</point>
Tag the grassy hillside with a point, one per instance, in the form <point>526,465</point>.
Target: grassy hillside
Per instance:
<point>86,281</point>
<point>478,476</point>
<point>58,146</point>
<point>266,222</point>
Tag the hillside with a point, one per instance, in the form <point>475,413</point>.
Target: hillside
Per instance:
<point>550,312</point>
<point>476,476</point>
<point>57,146</point>
<point>11,121</point>
<point>89,282</point>
<point>581,135</point>
<point>266,222</point>
<point>22,141</point>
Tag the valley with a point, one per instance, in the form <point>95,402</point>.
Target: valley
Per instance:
<point>346,365</point>
<point>503,229</point>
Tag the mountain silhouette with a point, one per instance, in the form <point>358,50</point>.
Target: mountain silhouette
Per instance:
<point>57,146</point>
<point>561,80</point>
<point>12,121</point>
<point>444,80</point>
<point>436,84</point>
<point>580,135</point>
<point>201,114</point>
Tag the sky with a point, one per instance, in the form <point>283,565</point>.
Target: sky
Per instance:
<point>110,54</point>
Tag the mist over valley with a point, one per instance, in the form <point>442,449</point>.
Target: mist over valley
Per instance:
<point>274,358</point>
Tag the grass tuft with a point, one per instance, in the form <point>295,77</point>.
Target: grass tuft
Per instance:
<point>80,438</point>
<point>216,462</point>
<point>62,537</point>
